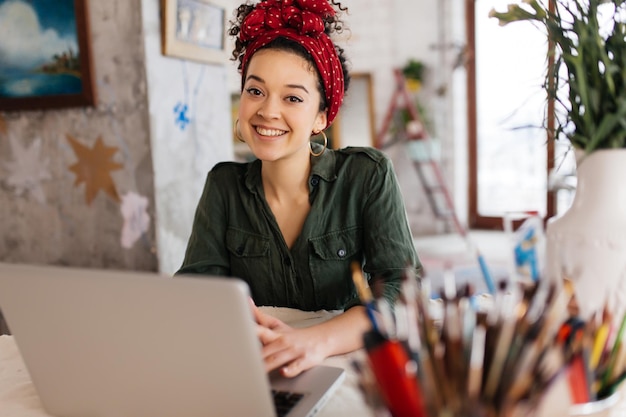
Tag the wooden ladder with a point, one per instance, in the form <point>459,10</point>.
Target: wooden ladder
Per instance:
<point>403,123</point>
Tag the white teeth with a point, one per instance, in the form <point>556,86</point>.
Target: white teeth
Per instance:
<point>269,132</point>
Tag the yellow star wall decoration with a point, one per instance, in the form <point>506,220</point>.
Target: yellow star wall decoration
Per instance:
<point>3,125</point>
<point>94,168</point>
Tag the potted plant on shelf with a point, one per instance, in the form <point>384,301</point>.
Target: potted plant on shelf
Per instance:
<point>586,78</point>
<point>413,72</point>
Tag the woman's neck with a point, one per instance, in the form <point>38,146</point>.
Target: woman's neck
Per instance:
<point>286,179</point>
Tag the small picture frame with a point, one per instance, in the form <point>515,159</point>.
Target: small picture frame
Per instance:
<point>47,59</point>
<point>195,30</point>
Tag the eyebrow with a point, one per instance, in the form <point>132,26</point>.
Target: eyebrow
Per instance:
<point>261,80</point>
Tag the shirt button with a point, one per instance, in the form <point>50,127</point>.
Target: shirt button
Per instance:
<point>341,253</point>
<point>315,181</point>
<point>239,250</point>
<point>287,262</point>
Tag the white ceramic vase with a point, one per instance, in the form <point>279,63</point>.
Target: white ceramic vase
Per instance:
<point>588,242</point>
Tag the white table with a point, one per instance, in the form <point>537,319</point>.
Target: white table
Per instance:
<point>18,397</point>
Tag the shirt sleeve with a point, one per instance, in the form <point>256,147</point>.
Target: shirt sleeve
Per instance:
<point>388,243</point>
<point>206,249</point>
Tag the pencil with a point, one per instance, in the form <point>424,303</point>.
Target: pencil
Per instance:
<point>614,354</point>
<point>599,345</point>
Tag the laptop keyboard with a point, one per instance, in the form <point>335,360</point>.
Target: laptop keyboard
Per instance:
<point>284,401</point>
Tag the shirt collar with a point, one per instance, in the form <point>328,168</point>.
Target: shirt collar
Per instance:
<point>323,166</point>
<point>253,176</point>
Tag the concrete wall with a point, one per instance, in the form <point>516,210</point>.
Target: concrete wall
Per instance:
<point>44,215</point>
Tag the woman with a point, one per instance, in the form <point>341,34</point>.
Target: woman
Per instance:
<point>291,222</point>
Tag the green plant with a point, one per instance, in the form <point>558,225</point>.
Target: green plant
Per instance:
<point>414,70</point>
<point>587,80</point>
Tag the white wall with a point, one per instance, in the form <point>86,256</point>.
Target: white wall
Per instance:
<point>182,157</point>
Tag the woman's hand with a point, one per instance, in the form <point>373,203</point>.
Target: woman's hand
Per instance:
<point>265,320</point>
<point>292,350</point>
<point>295,350</point>
<point>286,347</point>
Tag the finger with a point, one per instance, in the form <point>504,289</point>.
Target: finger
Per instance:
<point>293,368</point>
<point>267,320</point>
<point>300,364</point>
<point>265,335</point>
<point>274,323</point>
<point>255,310</point>
<point>278,359</point>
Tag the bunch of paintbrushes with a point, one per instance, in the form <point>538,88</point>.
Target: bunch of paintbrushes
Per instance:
<point>473,356</point>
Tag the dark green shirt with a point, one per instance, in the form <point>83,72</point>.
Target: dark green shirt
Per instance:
<point>357,213</point>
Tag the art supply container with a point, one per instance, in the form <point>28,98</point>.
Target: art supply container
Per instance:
<point>599,408</point>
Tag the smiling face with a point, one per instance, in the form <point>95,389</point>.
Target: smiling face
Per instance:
<point>279,107</point>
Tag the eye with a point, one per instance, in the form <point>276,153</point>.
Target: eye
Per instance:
<point>294,99</point>
<point>253,91</point>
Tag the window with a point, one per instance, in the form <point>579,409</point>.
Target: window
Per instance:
<point>510,155</point>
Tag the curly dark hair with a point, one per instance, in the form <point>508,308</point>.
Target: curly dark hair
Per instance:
<point>332,24</point>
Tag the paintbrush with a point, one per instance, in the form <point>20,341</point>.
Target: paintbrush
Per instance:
<point>365,294</point>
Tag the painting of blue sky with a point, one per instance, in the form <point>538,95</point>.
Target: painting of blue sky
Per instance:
<point>39,52</point>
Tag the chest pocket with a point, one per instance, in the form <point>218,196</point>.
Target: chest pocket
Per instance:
<point>329,262</point>
<point>249,257</point>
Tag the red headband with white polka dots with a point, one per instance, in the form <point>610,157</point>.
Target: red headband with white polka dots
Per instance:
<point>301,21</point>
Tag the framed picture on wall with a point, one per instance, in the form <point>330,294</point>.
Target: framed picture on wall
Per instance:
<point>355,123</point>
<point>195,29</point>
<point>45,55</point>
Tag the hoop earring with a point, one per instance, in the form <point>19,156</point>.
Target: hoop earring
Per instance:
<point>236,131</point>
<point>325,144</point>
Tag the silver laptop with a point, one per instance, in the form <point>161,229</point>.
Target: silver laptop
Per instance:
<point>102,343</point>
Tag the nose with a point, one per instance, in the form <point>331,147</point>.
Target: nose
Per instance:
<point>269,109</point>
